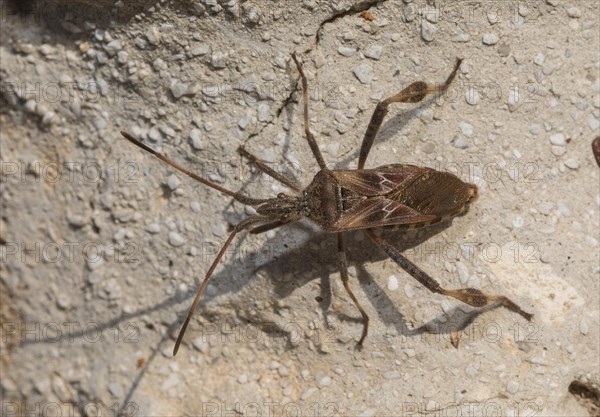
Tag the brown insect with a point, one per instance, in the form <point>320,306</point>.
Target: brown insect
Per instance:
<point>391,196</point>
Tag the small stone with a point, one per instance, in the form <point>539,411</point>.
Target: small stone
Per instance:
<point>461,37</point>
<point>392,283</point>
<point>195,206</point>
<point>535,129</point>
<point>428,30</point>
<point>364,73</point>
<point>219,59</point>
<point>373,52</point>
<point>113,47</point>
<point>122,57</point>
<point>572,163</point>
<point>460,143</point>
<point>200,50</point>
<point>466,128</point>
<point>392,375</point>
<point>512,387</point>
<point>574,12</point>
<point>219,230</point>
<point>242,379</point>
<point>325,381</point>
<point>115,390</point>
<point>307,393</point>
<point>592,122</point>
<point>558,150</point>
<point>346,51</point>
<point>558,139</point>
<point>173,182</point>
<point>562,207</point>
<point>201,344</point>
<point>263,112</point>
<point>152,228</point>
<point>539,59</point>
<point>153,35</point>
<point>180,89</point>
<point>195,139</point>
<point>175,239</point>
<point>583,328</point>
<point>490,39</point>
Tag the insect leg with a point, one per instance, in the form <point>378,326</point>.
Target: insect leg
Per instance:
<point>414,93</point>
<point>470,296</point>
<point>314,147</point>
<point>343,264</point>
<point>289,182</point>
<point>244,224</point>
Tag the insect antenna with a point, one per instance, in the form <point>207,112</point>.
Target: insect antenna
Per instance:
<point>237,196</point>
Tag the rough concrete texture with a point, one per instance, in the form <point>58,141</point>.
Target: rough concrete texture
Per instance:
<point>103,246</point>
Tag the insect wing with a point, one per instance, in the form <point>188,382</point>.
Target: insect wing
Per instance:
<point>378,212</point>
<point>379,181</point>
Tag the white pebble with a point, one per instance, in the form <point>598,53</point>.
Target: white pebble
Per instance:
<point>574,12</point>
<point>195,206</point>
<point>535,129</point>
<point>153,228</point>
<point>539,59</point>
<point>490,39</point>
<point>175,239</point>
<point>466,128</point>
<point>364,73</point>
<point>409,290</point>
<point>173,182</point>
<point>461,37</point>
<point>195,139</point>
<point>592,122</point>
<point>373,52</point>
<point>562,207</point>
<point>219,230</point>
<point>558,139</point>
<point>153,35</point>
<point>512,387</point>
<point>392,284</point>
<point>572,163</point>
<point>472,96</point>
<point>346,51</point>
<point>583,328</point>
<point>518,222</point>
<point>428,30</point>
<point>463,272</point>
<point>558,150</point>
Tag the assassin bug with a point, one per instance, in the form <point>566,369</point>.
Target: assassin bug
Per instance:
<point>390,196</point>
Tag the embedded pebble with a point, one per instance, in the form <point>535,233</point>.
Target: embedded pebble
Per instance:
<point>346,51</point>
<point>466,128</point>
<point>428,30</point>
<point>558,150</point>
<point>364,73</point>
<point>115,390</point>
<point>200,50</point>
<point>562,207</point>
<point>592,122</point>
<point>572,163</point>
<point>490,39</point>
<point>180,89</point>
<point>535,129</point>
<point>392,375</point>
<point>173,182</point>
<point>195,206</point>
<point>512,387</point>
<point>461,37</point>
<point>219,230</point>
<point>558,139</point>
<point>460,143</point>
<point>113,47</point>
<point>539,59</point>
<point>545,207</point>
<point>307,393</point>
<point>392,283</point>
<point>263,112</point>
<point>153,35</point>
<point>463,273</point>
<point>325,381</point>
<point>574,12</point>
<point>373,52</point>
<point>584,328</point>
<point>175,239</point>
<point>153,228</point>
<point>195,139</point>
